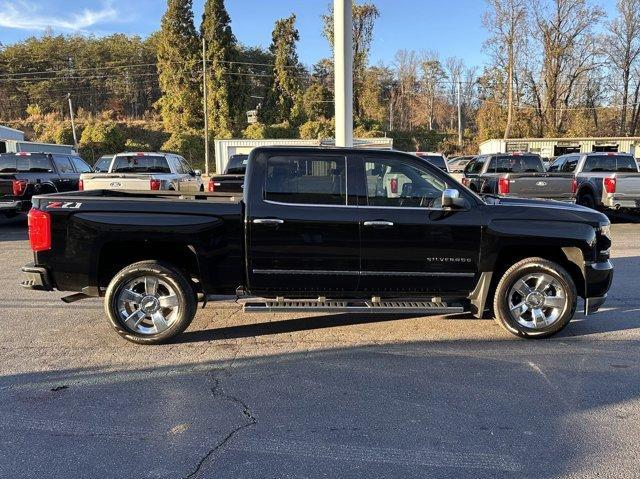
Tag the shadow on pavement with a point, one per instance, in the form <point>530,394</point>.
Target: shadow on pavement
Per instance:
<point>424,409</point>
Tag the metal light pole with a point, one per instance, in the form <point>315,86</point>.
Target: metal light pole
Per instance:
<point>73,123</point>
<point>343,66</point>
<point>206,107</point>
<point>459,118</point>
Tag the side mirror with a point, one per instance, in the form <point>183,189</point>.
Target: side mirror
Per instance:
<point>197,172</point>
<point>451,199</point>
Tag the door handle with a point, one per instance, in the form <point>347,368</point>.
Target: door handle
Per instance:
<point>379,224</point>
<point>268,221</point>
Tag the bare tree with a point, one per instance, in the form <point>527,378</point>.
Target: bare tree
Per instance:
<point>564,30</point>
<point>406,66</point>
<point>622,50</point>
<point>454,67</point>
<point>432,76</point>
<point>506,21</point>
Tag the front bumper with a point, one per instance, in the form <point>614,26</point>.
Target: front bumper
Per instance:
<point>598,277</point>
<point>37,279</point>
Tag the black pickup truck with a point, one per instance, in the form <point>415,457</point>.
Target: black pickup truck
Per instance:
<point>232,179</point>
<point>322,229</point>
<point>24,174</point>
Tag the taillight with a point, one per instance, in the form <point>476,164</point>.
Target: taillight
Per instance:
<point>81,185</point>
<point>394,185</point>
<point>503,186</point>
<point>19,187</point>
<point>610,185</point>
<point>39,230</point>
<point>154,184</point>
<point>574,186</point>
<point>211,186</point>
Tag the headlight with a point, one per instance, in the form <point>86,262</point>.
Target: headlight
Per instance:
<point>605,230</point>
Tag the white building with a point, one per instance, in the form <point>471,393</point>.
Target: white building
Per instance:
<point>7,133</point>
<point>553,147</point>
<point>227,148</point>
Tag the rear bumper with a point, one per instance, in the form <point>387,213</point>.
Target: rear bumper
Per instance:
<point>613,202</point>
<point>598,278</point>
<point>37,278</point>
<point>12,206</point>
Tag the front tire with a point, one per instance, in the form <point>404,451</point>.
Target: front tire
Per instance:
<point>535,298</point>
<point>150,302</point>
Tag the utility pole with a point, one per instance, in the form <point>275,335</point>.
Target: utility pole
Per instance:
<point>73,123</point>
<point>459,118</point>
<point>343,66</point>
<point>206,107</point>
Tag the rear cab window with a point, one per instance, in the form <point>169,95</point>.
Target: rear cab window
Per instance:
<point>306,180</point>
<point>237,165</point>
<point>25,164</point>
<point>610,164</point>
<point>516,164</point>
<point>140,164</point>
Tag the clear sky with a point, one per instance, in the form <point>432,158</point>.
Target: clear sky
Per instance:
<point>451,27</point>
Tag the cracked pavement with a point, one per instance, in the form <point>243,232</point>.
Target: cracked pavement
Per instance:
<point>286,395</point>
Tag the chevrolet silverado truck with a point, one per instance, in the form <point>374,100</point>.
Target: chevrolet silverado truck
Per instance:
<point>144,171</point>
<point>320,230</point>
<point>232,179</point>
<point>596,180</point>
<point>25,174</point>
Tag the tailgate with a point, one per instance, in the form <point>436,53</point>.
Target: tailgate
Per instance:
<point>115,182</point>
<point>542,186</point>
<point>628,186</point>
<point>6,188</point>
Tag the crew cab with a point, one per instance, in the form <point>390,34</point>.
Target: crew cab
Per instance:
<point>144,171</point>
<point>232,179</point>
<point>25,174</point>
<point>596,180</point>
<point>322,229</point>
<point>506,174</point>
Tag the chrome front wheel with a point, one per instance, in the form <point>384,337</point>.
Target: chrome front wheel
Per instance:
<point>537,300</point>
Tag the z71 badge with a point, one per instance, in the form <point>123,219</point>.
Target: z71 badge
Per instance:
<point>69,205</point>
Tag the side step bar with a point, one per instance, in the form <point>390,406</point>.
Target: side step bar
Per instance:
<point>349,306</point>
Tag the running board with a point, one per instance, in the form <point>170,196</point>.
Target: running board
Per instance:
<point>352,306</point>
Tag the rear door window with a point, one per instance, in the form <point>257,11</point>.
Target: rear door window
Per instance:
<point>475,166</point>
<point>570,164</point>
<point>306,180</point>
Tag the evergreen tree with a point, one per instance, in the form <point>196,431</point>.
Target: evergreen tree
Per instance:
<point>285,89</point>
<point>227,86</point>
<point>178,68</point>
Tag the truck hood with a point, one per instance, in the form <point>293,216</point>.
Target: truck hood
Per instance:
<point>548,210</point>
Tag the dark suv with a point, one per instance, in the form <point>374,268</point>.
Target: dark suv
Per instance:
<point>24,174</point>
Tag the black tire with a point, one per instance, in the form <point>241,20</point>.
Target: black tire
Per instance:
<point>521,270</point>
<point>587,200</point>
<point>186,301</point>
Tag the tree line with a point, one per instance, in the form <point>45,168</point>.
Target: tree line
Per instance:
<point>556,68</point>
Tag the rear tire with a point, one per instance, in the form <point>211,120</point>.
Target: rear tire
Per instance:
<point>587,200</point>
<point>150,302</point>
<point>535,298</point>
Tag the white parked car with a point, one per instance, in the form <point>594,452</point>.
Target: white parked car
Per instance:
<point>143,171</point>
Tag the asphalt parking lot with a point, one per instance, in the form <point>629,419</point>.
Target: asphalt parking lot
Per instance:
<point>316,396</point>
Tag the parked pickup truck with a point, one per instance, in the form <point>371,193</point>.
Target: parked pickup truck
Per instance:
<point>506,174</point>
<point>319,229</point>
<point>144,171</point>
<point>232,179</point>
<point>596,180</point>
<point>25,174</point>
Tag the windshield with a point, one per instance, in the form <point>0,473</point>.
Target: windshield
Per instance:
<point>610,164</point>
<point>25,164</point>
<point>237,165</point>
<point>141,164</point>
